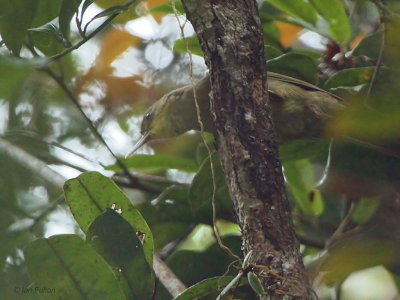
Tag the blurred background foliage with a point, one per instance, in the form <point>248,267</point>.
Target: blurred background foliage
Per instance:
<point>75,79</point>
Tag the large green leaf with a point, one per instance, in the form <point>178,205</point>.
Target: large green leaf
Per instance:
<point>157,161</point>
<point>115,239</point>
<point>91,194</point>
<point>350,77</point>
<point>15,19</point>
<point>335,13</point>
<point>68,9</point>
<point>295,65</point>
<point>301,182</point>
<point>303,149</point>
<point>65,267</point>
<point>298,8</point>
<point>48,38</point>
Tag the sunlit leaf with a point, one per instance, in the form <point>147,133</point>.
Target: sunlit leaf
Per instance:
<point>70,269</point>
<point>335,13</point>
<point>301,182</point>
<point>90,194</point>
<point>193,44</point>
<point>365,209</point>
<point>166,8</point>
<point>298,8</point>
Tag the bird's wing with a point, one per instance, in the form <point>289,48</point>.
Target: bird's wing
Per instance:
<point>300,83</point>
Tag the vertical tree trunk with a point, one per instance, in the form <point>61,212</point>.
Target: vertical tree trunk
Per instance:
<point>231,37</point>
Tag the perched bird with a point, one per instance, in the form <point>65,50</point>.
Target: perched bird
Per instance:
<point>299,110</point>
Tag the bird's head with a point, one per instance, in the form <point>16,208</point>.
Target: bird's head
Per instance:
<point>158,121</point>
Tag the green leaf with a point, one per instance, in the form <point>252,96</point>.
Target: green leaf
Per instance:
<point>295,65</point>
<point>213,261</point>
<point>68,9</point>
<point>15,18</point>
<point>156,162</point>
<point>166,8</point>
<point>271,52</point>
<point>272,37</point>
<point>301,182</point>
<point>365,209</point>
<point>193,43</point>
<point>90,194</point>
<point>298,8</point>
<point>48,38</point>
<point>334,12</point>
<point>201,189</point>
<point>70,269</point>
<point>350,77</point>
<point>303,149</point>
<point>115,240</point>
<point>205,287</point>
<point>47,10</point>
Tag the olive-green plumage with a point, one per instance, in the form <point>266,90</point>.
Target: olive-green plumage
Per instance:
<point>299,110</point>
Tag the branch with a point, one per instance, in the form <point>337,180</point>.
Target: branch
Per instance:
<point>231,38</point>
<point>134,181</point>
<point>166,276</point>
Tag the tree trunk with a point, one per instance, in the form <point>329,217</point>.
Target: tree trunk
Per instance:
<point>231,38</point>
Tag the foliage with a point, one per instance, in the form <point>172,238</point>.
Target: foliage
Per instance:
<point>75,76</point>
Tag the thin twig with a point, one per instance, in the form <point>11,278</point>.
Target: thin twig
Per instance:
<point>378,62</point>
<point>342,226</point>
<point>86,38</point>
<point>134,181</point>
<point>214,183</point>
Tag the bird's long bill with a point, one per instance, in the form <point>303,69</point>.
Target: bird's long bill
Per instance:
<point>143,140</point>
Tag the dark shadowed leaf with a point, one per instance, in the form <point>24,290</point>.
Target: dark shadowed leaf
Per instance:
<point>350,77</point>
<point>295,65</point>
<point>70,269</point>
<point>205,287</point>
<point>12,32</point>
<point>116,241</point>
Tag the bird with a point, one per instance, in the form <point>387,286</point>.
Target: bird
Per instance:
<point>300,110</point>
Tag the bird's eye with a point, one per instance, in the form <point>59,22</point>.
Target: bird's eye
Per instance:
<point>147,116</point>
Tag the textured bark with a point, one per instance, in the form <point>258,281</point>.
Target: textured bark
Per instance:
<point>231,37</point>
